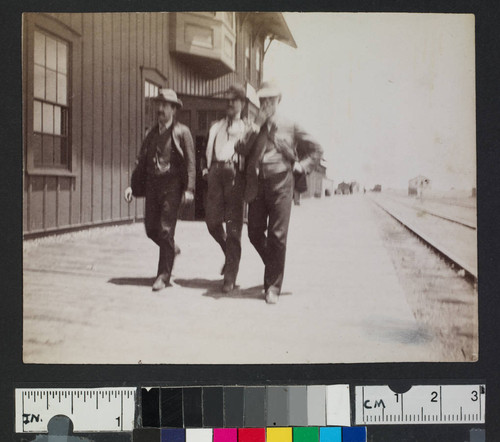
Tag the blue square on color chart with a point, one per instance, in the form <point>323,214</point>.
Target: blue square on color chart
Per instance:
<point>354,434</point>
<point>173,435</point>
<point>330,434</point>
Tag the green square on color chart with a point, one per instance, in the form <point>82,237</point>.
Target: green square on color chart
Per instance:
<point>306,434</point>
<point>330,434</point>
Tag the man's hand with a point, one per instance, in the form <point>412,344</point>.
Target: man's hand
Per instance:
<point>188,197</point>
<point>128,195</point>
<point>264,113</point>
<point>297,168</point>
<point>204,174</point>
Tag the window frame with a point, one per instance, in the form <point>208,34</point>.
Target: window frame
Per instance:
<point>51,27</point>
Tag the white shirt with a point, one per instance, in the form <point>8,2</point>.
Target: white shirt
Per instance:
<point>226,137</point>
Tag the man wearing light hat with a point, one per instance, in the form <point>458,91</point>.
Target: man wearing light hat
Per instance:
<point>278,155</point>
<point>167,158</point>
<point>226,184</point>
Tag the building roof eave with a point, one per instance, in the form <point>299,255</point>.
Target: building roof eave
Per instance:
<point>274,25</point>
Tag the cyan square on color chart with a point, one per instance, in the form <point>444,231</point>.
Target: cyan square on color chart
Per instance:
<point>330,434</point>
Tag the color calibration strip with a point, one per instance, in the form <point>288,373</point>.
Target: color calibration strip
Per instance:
<point>251,407</point>
<point>275,434</point>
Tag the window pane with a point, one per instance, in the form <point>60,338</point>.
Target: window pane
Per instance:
<point>39,48</point>
<point>64,121</point>
<point>62,58</point>
<point>64,151</point>
<point>57,151</point>
<point>48,118</point>
<point>37,116</point>
<point>36,146</point>
<point>51,53</point>
<point>50,84</point>
<point>146,89</point>
<point>39,82</point>
<point>57,120</point>
<point>48,150</point>
<point>62,95</point>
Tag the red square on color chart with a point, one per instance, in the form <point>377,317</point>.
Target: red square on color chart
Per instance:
<point>251,435</point>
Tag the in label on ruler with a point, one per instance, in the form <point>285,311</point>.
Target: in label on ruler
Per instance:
<point>90,409</point>
<point>423,404</point>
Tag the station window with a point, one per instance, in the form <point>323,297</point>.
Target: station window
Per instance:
<point>50,101</point>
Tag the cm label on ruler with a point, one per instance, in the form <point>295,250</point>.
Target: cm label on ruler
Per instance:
<point>97,409</point>
<point>423,404</point>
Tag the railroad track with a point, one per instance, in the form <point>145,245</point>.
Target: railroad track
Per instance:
<point>434,241</point>
<point>431,212</point>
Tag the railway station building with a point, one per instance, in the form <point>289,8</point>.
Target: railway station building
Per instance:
<point>88,81</point>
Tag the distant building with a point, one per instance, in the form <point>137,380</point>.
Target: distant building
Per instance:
<point>88,83</point>
<point>315,181</point>
<point>377,188</point>
<point>343,188</point>
<point>417,185</point>
<point>328,186</point>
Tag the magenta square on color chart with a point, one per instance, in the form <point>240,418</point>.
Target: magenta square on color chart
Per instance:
<point>225,434</point>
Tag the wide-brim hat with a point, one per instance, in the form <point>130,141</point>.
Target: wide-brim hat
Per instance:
<point>236,92</point>
<point>268,89</point>
<point>168,96</point>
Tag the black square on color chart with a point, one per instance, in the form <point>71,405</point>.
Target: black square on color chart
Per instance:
<point>150,401</point>
<point>191,398</point>
<point>146,435</point>
<point>171,407</point>
<point>213,403</point>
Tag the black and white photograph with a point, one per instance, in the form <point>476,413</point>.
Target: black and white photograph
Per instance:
<point>249,188</point>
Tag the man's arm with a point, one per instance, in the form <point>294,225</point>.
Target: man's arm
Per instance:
<point>189,158</point>
<point>309,151</point>
<point>140,159</point>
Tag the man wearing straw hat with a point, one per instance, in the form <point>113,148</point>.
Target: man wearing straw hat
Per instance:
<point>167,158</point>
<point>278,155</point>
<point>226,184</point>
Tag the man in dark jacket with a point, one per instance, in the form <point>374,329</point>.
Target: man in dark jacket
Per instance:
<point>278,156</point>
<point>168,156</point>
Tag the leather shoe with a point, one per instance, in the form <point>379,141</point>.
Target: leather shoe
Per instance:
<point>227,287</point>
<point>159,284</point>
<point>272,296</point>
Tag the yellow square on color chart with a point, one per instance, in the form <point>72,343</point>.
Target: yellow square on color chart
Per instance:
<point>279,434</point>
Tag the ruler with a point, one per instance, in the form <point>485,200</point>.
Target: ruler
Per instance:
<point>90,409</point>
<point>423,404</point>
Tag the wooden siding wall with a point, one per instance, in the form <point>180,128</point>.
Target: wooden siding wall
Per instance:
<point>108,91</point>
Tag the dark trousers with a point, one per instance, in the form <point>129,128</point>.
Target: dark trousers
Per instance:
<point>271,211</point>
<point>225,204</point>
<point>163,199</point>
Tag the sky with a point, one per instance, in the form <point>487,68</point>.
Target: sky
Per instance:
<point>388,96</point>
